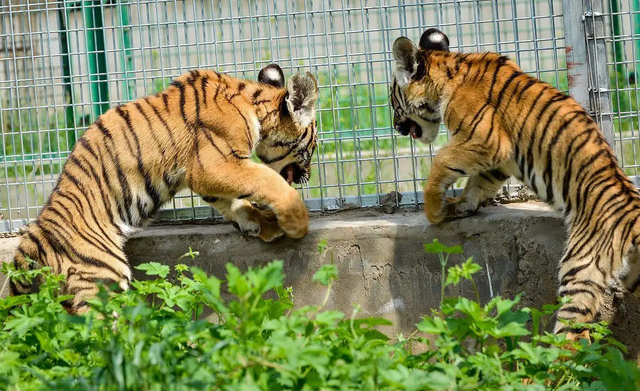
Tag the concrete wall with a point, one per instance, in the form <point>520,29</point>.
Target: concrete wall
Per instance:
<point>381,262</point>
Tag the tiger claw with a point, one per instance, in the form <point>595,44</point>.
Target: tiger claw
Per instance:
<point>457,208</point>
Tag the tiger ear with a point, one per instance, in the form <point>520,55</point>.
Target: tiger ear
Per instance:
<point>272,74</point>
<point>405,53</point>
<point>301,99</point>
<point>434,39</point>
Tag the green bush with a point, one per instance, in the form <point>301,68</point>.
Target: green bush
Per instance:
<point>153,337</point>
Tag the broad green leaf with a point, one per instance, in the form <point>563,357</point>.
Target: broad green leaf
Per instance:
<point>329,317</point>
<point>504,305</point>
<point>326,274</point>
<point>238,284</point>
<point>432,325</point>
<point>437,247</point>
<point>181,268</point>
<point>372,322</point>
<point>322,246</point>
<point>469,268</point>
<point>453,275</point>
<point>21,324</point>
<point>154,269</point>
<point>272,276</point>
<point>512,329</point>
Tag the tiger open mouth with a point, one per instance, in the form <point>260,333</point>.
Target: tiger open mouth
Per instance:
<point>293,173</point>
<point>409,127</point>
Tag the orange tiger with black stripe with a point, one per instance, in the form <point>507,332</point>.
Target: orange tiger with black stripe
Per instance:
<point>503,122</point>
<point>199,133</point>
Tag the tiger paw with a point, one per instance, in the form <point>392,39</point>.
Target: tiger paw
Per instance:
<point>458,208</point>
<point>294,225</point>
<point>293,217</point>
<point>269,228</point>
<point>575,337</point>
<point>260,223</point>
<point>571,338</point>
<point>434,203</point>
<point>247,227</point>
<point>270,231</point>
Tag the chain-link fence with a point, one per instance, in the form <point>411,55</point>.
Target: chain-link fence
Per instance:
<point>62,63</point>
<point>621,34</point>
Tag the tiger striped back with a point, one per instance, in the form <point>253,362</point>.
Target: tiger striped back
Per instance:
<point>199,133</point>
<point>503,123</point>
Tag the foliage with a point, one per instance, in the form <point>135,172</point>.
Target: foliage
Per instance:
<point>154,337</point>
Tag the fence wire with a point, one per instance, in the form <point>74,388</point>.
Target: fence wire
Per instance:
<point>621,32</point>
<point>62,63</point>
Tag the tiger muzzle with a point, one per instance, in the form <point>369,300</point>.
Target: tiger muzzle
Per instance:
<point>409,127</point>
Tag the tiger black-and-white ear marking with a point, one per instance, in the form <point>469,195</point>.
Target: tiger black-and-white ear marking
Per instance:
<point>404,51</point>
<point>434,39</point>
<point>272,74</point>
<point>303,93</point>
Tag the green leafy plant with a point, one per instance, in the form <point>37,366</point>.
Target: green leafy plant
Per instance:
<point>182,329</point>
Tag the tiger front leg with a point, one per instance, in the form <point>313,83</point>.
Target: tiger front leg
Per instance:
<point>248,219</point>
<point>479,190</point>
<point>441,177</point>
<point>450,164</point>
<point>254,182</point>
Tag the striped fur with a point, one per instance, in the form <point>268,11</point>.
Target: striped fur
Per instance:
<point>199,133</point>
<point>503,123</point>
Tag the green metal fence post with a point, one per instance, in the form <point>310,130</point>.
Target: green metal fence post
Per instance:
<point>635,4</point>
<point>127,56</point>
<point>94,27</point>
<point>618,49</point>
<point>66,78</point>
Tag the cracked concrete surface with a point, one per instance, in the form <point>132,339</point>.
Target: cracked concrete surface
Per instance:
<point>382,264</point>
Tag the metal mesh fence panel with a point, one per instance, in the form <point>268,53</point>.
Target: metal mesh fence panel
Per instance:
<point>62,63</point>
<point>620,33</point>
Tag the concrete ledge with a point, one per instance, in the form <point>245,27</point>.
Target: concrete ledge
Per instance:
<point>381,260</point>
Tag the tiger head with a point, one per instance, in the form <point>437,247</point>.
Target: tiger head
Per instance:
<point>417,113</point>
<point>288,148</point>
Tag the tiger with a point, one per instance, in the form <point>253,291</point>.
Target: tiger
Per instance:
<point>203,133</point>
<point>505,123</point>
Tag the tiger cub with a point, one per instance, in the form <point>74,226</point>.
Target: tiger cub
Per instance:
<point>199,133</point>
<point>505,123</point>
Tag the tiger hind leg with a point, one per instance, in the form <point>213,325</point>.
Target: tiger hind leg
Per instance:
<point>630,279</point>
<point>84,286</point>
<point>584,283</point>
